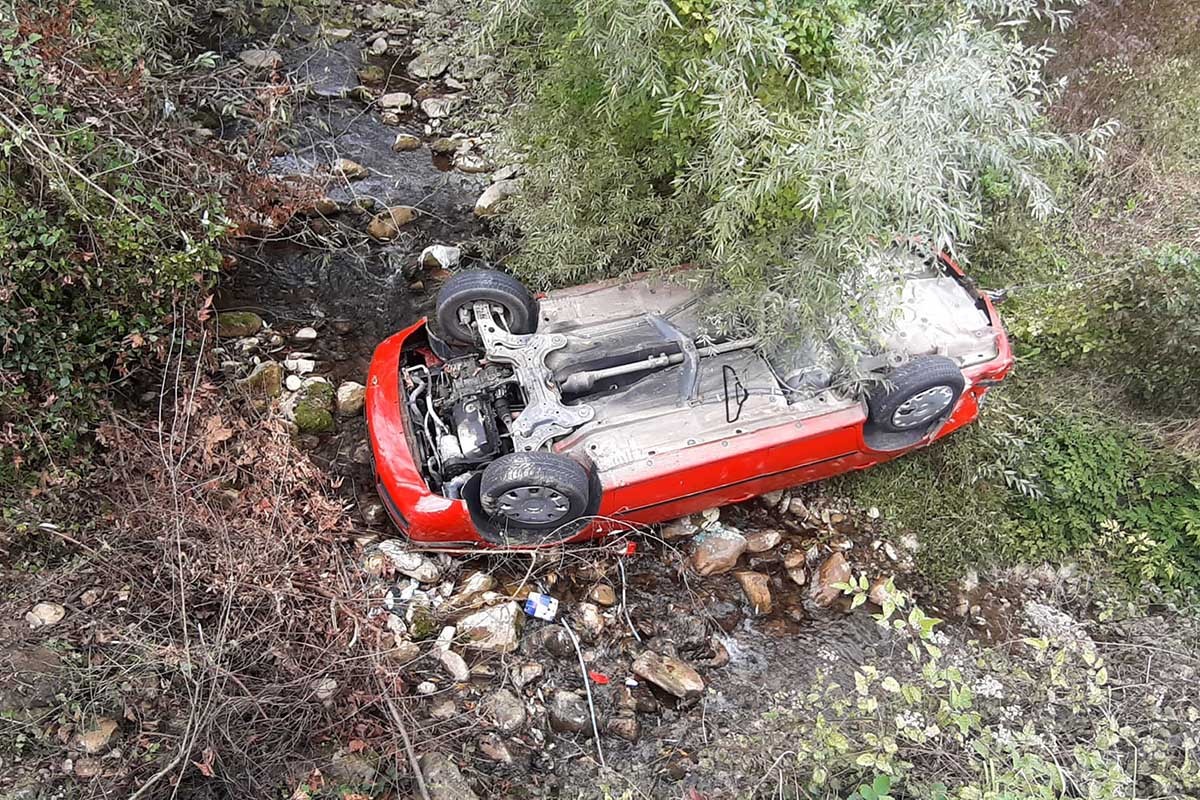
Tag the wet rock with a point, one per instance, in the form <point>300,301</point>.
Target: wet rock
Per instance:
<point>43,615</point>
<point>350,170</point>
<point>568,713</point>
<point>445,145</point>
<point>443,781</point>
<point>603,594</point>
<point>430,64</point>
<point>669,674</point>
<point>624,727</point>
<point>440,255</point>
<point>415,565</point>
<point>506,710</point>
<point>496,629</point>
<point>311,408</point>
<point>266,380</point>
<point>438,107</point>
<point>472,163</point>
<point>237,324</point>
<point>97,737</point>
<point>455,665</point>
<point>757,588</point>
<point>406,142</point>
<point>794,563</point>
<point>763,540</point>
<point>834,569</point>
<point>717,551</point>
<point>525,673</point>
<point>349,398</point>
<point>372,74</point>
<point>678,529</point>
<point>386,224</point>
<point>395,101</point>
<point>261,59</point>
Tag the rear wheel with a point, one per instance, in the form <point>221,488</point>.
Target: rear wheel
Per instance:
<point>534,491</point>
<point>922,390</point>
<point>511,303</point>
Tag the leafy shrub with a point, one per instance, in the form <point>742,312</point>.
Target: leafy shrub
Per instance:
<point>771,143</point>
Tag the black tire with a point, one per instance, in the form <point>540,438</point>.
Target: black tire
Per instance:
<point>917,394</point>
<point>523,480</point>
<point>467,288</point>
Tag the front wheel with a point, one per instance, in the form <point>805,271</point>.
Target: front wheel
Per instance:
<point>922,390</point>
<point>512,304</point>
<point>535,491</point>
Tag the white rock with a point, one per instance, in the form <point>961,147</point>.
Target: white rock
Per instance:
<point>293,383</point>
<point>300,366</point>
<point>325,689</point>
<point>497,628</point>
<point>455,665</point>
<point>406,562</point>
<point>261,59</point>
<point>43,615</point>
<point>338,34</point>
<point>440,255</point>
<point>488,204</point>
<point>379,46</point>
<point>426,687</point>
<point>438,107</point>
<point>395,100</point>
<point>305,335</point>
<point>350,397</point>
<point>429,64</point>
<point>506,173</point>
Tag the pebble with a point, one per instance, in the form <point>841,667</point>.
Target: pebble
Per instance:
<point>506,710</point>
<point>717,551</point>
<point>97,738</point>
<point>603,594</point>
<point>834,569</point>
<point>669,674</point>
<point>350,398</point>
<point>305,335</point>
<point>43,615</point>
<point>455,665</point>
<point>293,383</point>
<point>568,713</point>
<point>405,142</point>
<point>757,588</point>
<point>763,540</point>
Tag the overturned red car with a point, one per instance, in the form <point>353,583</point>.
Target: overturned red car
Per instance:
<point>530,421</point>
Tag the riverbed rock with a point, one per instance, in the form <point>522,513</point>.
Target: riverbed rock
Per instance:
<point>603,594</point>
<point>266,380</point>
<point>669,674</point>
<point>305,335</point>
<point>237,324</point>
<point>445,145</point>
<point>440,256</point>
<point>717,551</point>
<point>472,163</point>
<point>678,529</point>
<point>337,34</point>
<point>624,727</point>
<point>506,710</point>
<point>495,629</point>
<point>406,142</point>
<point>97,737</point>
<point>568,713</point>
<point>470,589</point>
<point>879,592</point>
<point>763,540</point>
<point>293,383</point>
<point>491,202</point>
<point>386,224</point>
<point>834,569</point>
<point>443,781</point>
<point>395,101</point>
<point>44,615</point>
<point>794,563</point>
<point>350,397</point>
<point>588,615</point>
<point>417,566</point>
<point>455,665</point>
<point>757,588</point>
<point>261,59</point>
<point>430,64</point>
<point>525,673</point>
<point>348,169</point>
<point>379,46</point>
<point>311,408</point>
<point>438,107</point>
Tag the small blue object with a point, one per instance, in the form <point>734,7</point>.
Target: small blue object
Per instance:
<point>541,606</point>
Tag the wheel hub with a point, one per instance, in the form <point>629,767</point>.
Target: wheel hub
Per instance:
<point>533,505</point>
<point>923,407</point>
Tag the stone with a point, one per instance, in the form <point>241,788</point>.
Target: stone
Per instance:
<point>568,712</point>
<point>794,563</point>
<point>763,540</point>
<point>406,142</point>
<point>97,737</point>
<point>391,118</point>
<point>717,551</point>
<point>379,47</point>
<point>506,710</point>
<point>445,145</point>
<point>470,589</point>
<point>403,651</point>
<point>455,665</point>
<point>372,74</point>
<point>440,255</point>
<point>362,94</point>
<point>669,674</point>
<point>490,203</point>
<point>350,398</point>
<point>834,569</point>
<point>393,101</point>
<point>438,107</point>
<point>624,727</point>
<point>87,767</point>
<point>350,170</point>
<point>525,673</point>
<point>505,173</point>
<point>757,588</point>
<point>879,593</point>
<point>444,709</point>
<point>386,224</point>
<point>305,335</point>
<point>237,324</point>
<point>771,499</point>
<point>311,408</point>
<point>300,366</point>
<point>324,689</point>
<point>603,594</point>
<point>494,748</point>
<point>338,34</point>
<point>430,64</point>
<point>417,566</point>
<point>496,628</point>
<point>471,163</point>
<point>590,620</point>
<point>443,781</point>
<point>426,687</point>
<point>43,615</point>
<point>797,508</point>
<point>261,59</point>
<point>555,641</point>
<point>678,529</point>
<point>265,380</point>
<point>293,383</point>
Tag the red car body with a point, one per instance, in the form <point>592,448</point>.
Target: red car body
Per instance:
<point>662,487</point>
